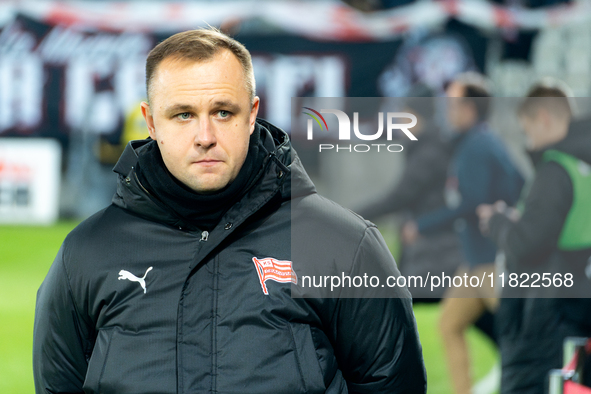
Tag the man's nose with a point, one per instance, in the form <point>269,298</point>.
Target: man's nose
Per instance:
<point>205,134</point>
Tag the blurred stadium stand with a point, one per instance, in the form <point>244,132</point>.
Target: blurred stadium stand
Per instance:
<point>355,48</point>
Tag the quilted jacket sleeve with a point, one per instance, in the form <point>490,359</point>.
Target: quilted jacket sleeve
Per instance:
<point>60,347</point>
<point>376,340</point>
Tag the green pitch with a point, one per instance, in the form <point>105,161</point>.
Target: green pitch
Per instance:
<point>26,254</point>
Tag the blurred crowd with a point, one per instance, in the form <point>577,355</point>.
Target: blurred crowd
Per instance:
<point>469,210</point>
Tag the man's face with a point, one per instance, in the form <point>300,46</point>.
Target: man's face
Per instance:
<point>201,116</point>
<point>461,114</point>
<point>534,127</point>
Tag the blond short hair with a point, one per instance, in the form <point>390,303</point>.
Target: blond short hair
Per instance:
<point>550,94</point>
<point>199,45</point>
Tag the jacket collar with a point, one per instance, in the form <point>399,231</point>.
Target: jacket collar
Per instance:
<point>284,174</point>
<point>576,143</point>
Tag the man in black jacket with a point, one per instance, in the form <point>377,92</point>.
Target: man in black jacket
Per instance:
<point>184,284</point>
<point>550,239</point>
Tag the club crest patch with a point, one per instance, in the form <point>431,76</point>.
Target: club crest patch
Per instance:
<point>272,269</point>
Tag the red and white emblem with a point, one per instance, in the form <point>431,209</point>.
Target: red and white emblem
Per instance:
<point>272,269</point>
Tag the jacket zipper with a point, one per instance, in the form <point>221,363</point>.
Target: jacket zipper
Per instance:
<point>214,324</point>
<point>139,183</point>
<point>204,236</point>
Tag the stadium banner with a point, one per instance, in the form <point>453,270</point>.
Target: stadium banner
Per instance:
<point>58,79</point>
<point>325,20</point>
<point>29,180</point>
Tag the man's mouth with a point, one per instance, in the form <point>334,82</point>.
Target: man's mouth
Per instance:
<point>208,162</point>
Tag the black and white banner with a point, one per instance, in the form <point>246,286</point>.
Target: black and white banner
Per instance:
<point>56,79</point>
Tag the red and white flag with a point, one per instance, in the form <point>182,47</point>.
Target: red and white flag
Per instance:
<point>272,269</point>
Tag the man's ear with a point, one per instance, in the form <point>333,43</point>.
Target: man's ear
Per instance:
<point>253,113</point>
<point>147,113</point>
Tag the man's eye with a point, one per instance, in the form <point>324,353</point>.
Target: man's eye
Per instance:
<point>184,116</point>
<point>224,114</point>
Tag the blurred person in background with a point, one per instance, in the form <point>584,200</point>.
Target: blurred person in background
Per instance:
<point>480,172</point>
<point>167,289</point>
<point>96,153</point>
<point>420,190</point>
<point>552,235</point>
<point>112,146</point>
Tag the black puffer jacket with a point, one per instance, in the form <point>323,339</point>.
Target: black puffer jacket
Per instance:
<point>138,301</point>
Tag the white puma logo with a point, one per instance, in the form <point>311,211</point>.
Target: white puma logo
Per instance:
<point>129,276</point>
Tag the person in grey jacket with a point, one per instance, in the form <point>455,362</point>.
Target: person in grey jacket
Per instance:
<point>420,190</point>
<point>193,279</point>
<point>480,171</point>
